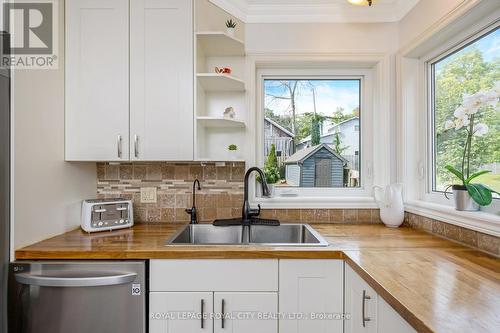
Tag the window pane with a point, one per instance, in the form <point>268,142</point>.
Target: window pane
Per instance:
<point>466,88</point>
<point>312,132</point>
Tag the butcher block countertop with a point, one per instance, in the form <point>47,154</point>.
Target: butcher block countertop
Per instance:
<point>435,284</point>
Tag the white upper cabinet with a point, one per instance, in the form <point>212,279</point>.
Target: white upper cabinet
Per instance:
<point>161,80</point>
<point>97,91</point>
<point>311,287</point>
<point>148,116</point>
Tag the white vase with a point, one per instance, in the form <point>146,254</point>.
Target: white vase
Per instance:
<point>230,31</point>
<point>390,202</point>
<point>232,155</point>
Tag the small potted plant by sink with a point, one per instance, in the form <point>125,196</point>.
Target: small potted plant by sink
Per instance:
<point>231,27</point>
<point>470,196</point>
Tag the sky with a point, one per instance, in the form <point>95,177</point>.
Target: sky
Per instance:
<point>330,94</point>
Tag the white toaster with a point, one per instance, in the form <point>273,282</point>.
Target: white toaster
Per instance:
<point>106,214</point>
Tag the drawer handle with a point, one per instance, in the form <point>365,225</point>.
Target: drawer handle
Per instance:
<point>102,210</point>
<point>75,281</point>
<point>119,145</point>
<point>223,305</point>
<point>202,306</point>
<point>136,146</point>
<point>363,308</point>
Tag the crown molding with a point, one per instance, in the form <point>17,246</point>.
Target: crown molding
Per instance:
<point>336,12</point>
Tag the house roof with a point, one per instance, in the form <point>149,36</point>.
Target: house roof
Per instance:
<point>282,128</point>
<point>328,133</point>
<point>305,153</point>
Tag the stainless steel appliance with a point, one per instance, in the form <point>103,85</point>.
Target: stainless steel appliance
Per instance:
<point>4,183</point>
<point>106,214</point>
<point>77,297</point>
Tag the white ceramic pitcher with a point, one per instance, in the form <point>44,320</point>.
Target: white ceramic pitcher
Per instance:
<point>390,202</point>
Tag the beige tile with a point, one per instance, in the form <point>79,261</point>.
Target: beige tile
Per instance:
<point>167,214</point>
<point>293,215</point>
<point>224,213</point>
<point>488,243</point>
<point>223,172</point>
<point>438,227</point>
<point>307,215</point>
<point>139,171</point>
<point>322,215</point>
<point>166,200</point>
<point>101,171</point>
<point>209,172</point>
<point>153,172</point>
<point>154,215</point>
<point>336,216</point>
<point>182,200</point>
<point>376,216</point>
<point>167,171</point>
<point>268,214</point>
<point>126,171</point>
<point>237,200</point>
<point>350,215</point>
<point>427,224</point>
<point>364,216</point>
<point>140,214</point>
<point>468,237</point>
<point>195,172</point>
<point>181,215</point>
<point>238,172</point>
<point>452,231</point>
<point>208,214</point>
<point>112,172</point>
<point>181,172</point>
<point>223,200</point>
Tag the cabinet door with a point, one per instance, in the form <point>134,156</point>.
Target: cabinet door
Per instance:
<point>245,312</point>
<point>389,321</point>
<point>161,85</point>
<point>97,81</point>
<point>311,287</point>
<point>184,312</point>
<point>360,304</point>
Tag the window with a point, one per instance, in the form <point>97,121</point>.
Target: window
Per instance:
<point>315,124</point>
<point>465,86</point>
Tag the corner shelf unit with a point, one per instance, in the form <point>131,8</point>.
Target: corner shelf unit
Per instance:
<point>215,92</point>
<point>217,43</point>
<point>220,82</point>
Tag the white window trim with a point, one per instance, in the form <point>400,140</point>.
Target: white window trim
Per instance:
<point>375,73</point>
<point>414,159</point>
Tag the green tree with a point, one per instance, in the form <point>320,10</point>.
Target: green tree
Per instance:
<point>315,130</point>
<point>271,169</point>
<point>337,144</point>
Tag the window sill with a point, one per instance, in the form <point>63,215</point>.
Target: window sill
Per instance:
<point>316,202</point>
<point>487,223</point>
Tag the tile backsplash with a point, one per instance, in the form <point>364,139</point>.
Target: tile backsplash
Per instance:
<point>221,195</point>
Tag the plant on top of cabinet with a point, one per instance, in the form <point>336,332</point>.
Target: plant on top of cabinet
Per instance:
<point>231,26</point>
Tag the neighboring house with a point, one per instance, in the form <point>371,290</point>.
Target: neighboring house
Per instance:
<point>317,166</point>
<point>280,136</point>
<point>349,137</point>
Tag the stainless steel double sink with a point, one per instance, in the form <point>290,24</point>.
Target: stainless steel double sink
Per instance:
<point>255,235</point>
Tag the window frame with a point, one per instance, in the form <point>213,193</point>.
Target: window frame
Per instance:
<point>344,197</point>
<point>427,192</point>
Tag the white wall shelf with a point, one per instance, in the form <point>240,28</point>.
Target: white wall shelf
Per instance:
<point>218,43</point>
<point>220,82</point>
<point>220,122</point>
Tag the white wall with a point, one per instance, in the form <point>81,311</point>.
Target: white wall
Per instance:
<point>321,37</point>
<point>47,190</point>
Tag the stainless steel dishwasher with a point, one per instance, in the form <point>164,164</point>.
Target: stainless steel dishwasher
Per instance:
<point>77,297</point>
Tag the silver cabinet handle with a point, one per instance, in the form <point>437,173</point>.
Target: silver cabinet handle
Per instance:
<point>136,146</point>
<point>102,210</point>
<point>363,308</point>
<point>223,305</point>
<point>202,306</point>
<point>74,281</point>
<point>119,145</point>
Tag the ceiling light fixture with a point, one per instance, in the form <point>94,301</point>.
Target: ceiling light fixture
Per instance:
<point>362,2</point>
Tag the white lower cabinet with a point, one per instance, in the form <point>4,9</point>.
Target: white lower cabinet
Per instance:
<point>183,312</point>
<point>368,312</point>
<point>245,312</point>
<point>310,289</point>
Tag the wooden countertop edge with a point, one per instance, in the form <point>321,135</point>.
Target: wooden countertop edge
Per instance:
<point>403,311</point>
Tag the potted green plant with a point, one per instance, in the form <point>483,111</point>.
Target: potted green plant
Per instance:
<point>271,171</point>
<point>469,196</point>
<point>231,26</point>
<point>233,151</point>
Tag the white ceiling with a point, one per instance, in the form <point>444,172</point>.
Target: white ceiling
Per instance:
<point>281,11</point>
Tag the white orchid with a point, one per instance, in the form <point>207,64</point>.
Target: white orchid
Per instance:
<point>461,122</point>
<point>449,124</point>
<point>480,129</point>
<point>460,112</point>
